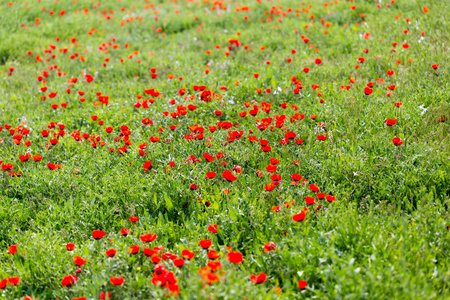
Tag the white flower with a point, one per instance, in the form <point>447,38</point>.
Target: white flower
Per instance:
<point>423,109</point>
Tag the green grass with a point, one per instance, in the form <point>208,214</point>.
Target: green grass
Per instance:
<point>384,237</point>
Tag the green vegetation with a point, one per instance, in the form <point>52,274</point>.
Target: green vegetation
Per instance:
<point>107,112</point>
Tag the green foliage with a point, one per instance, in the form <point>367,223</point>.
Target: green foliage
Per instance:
<point>385,236</point>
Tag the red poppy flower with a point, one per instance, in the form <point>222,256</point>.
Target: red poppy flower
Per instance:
<point>313,187</point>
<point>270,187</point>
<point>134,249</point>
<point>187,254</point>
<point>156,259</point>
<point>212,254</point>
<point>210,175</point>
<point>299,217</point>
<point>124,232</point>
<point>24,158</point>
<point>270,246</point>
<point>111,252</point>
<point>69,281</point>
<point>147,166</point>
<point>44,133</point>
<point>149,252</point>
<point>302,284</point>
<point>109,129</point>
<point>228,176</point>
<point>212,228</point>
<point>310,200</point>
<point>78,261</point>
<point>206,96</point>
<point>147,121</point>
<point>235,257</point>
<point>7,167</point>
<point>208,157</point>
<point>274,161</point>
<point>117,280</point>
<point>271,168</point>
<point>103,295</point>
<point>368,91</point>
<point>397,141</point>
<point>147,238</point>
<point>70,246</point>
<point>276,178</point>
<point>98,234</point>
<point>330,198</point>
<point>12,249</point>
<point>296,177</point>
<point>214,266</point>
<point>391,122</point>
<point>260,279</point>
<point>13,281</point>
<point>179,262</point>
<point>3,283</point>
<point>52,166</point>
<point>154,139</point>
<point>134,219</point>
<point>168,255</point>
<point>205,244</point>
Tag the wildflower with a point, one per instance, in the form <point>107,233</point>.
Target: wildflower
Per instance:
<point>98,234</point>
<point>270,246</point>
<point>205,244</point>
<point>147,238</point>
<point>302,284</point>
<point>258,279</point>
<point>117,280</point>
<point>397,141</point>
<point>69,281</point>
<point>234,257</point>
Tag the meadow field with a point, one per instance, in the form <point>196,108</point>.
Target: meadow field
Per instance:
<point>201,149</point>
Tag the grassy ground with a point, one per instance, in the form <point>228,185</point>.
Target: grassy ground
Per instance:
<point>385,236</point>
